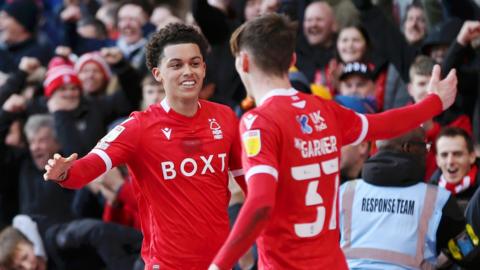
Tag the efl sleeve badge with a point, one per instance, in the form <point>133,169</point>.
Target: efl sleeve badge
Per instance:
<point>252,142</point>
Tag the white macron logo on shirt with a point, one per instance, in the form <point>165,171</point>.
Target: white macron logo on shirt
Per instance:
<point>167,132</point>
<point>249,119</point>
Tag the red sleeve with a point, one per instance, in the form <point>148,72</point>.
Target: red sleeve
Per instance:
<point>397,121</point>
<point>260,143</point>
<point>251,220</point>
<point>235,157</point>
<point>114,149</point>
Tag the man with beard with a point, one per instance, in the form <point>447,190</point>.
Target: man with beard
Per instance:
<point>391,197</point>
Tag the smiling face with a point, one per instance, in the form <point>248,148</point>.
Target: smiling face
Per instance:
<point>453,158</point>
<point>319,24</point>
<point>181,72</point>
<point>92,78</point>
<point>130,21</point>
<point>351,45</point>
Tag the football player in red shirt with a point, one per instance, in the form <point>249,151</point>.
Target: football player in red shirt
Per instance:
<point>291,151</point>
<point>179,153</point>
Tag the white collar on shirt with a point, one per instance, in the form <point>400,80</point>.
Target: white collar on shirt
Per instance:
<point>277,92</point>
<point>167,107</point>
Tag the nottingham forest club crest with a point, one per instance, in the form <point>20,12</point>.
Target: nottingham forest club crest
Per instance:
<point>216,129</point>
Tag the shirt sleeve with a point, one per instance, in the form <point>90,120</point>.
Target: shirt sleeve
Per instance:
<point>235,157</point>
<point>260,140</point>
<point>356,127</point>
<point>395,122</point>
<point>115,148</point>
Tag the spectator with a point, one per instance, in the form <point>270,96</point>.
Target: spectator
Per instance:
<point>415,24</point>
<point>33,243</point>
<point>415,31</point>
<point>19,20</point>
<point>35,197</point>
<point>94,73</point>
<point>392,196</point>
<point>420,74</point>
<point>463,55</point>
<point>458,166</point>
<point>153,92</point>
<point>83,33</point>
<point>131,18</point>
<point>316,46</point>
<point>356,80</point>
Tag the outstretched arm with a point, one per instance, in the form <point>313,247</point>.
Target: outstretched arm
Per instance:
<point>114,149</point>
<point>252,219</point>
<point>397,121</point>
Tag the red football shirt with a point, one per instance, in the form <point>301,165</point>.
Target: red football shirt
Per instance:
<point>297,139</point>
<point>180,169</point>
<point>291,156</point>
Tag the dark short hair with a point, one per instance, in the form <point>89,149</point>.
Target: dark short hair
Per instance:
<point>271,41</point>
<point>415,4</point>
<point>454,132</point>
<point>172,34</point>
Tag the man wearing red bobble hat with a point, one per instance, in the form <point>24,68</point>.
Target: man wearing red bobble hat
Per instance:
<point>61,86</point>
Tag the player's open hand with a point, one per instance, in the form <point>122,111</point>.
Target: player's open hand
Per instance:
<point>57,167</point>
<point>446,89</point>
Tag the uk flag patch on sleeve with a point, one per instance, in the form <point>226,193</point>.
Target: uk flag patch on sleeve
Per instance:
<point>251,142</point>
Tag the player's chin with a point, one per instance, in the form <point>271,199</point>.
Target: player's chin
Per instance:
<point>190,92</point>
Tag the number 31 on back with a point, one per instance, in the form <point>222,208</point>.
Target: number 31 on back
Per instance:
<point>311,173</point>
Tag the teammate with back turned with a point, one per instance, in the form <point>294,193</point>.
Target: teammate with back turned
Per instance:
<point>291,150</point>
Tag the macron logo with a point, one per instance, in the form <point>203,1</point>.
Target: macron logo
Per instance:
<point>300,104</point>
<point>167,132</point>
<point>249,119</point>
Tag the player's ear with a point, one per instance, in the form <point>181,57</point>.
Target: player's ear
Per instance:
<point>245,58</point>
<point>156,74</point>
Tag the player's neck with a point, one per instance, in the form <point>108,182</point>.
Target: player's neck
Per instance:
<point>263,85</point>
<point>184,107</point>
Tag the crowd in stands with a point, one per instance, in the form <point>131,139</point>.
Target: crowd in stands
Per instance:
<point>70,70</point>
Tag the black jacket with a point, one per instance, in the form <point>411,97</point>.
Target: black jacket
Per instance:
<point>89,244</point>
<point>217,28</point>
<point>32,48</point>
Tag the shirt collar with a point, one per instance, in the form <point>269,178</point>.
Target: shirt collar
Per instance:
<point>278,92</point>
<point>166,107</point>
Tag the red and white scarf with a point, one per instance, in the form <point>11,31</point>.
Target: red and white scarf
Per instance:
<point>467,182</point>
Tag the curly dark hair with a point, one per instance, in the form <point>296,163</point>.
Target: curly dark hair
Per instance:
<point>172,34</point>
